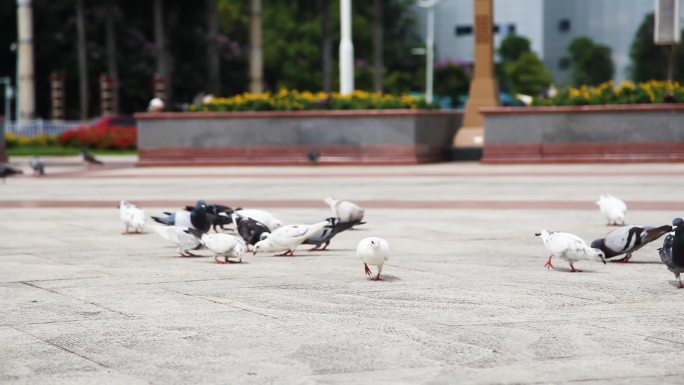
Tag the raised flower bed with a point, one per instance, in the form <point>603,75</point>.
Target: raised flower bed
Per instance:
<point>297,128</point>
<point>580,125</point>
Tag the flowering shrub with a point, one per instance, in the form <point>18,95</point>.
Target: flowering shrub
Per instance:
<point>291,100</point>
<point>12,140</point>
<point>626,93</point>
<point>100,137</point>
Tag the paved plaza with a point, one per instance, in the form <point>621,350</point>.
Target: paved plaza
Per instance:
<point>466,298</point>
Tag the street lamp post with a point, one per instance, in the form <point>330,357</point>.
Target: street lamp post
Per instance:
<point>346,49</point>
<point>429,5</point>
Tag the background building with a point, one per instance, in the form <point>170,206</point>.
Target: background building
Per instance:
<point>549,24</point>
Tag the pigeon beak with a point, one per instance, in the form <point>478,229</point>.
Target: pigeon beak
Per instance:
<point>254,252</point>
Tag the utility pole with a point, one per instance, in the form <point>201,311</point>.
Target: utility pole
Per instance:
<point>84,98</point>
<point>26,85</point>
<point>346,49</point>
<point>256,66</point>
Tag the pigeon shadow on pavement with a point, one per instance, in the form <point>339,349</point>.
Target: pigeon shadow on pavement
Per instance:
<point>385,278</point>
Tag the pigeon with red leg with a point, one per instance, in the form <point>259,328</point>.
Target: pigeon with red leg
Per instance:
<point>287,238</point>
<point>672,252</point>
<point>626,240</point>
<point>132,217</point>
<point>373,251</point>
<point>570,248</point>
<point>224,246</point>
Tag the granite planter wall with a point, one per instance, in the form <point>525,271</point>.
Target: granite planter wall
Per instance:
<point>279,138</point>
<point>624,133</point>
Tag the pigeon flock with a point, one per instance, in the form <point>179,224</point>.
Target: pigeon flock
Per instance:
<point>254,230</point>
<point>622,241</point>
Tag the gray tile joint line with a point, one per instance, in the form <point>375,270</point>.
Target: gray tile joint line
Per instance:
<point>219,303</point>
<point>80,300</point>
<point>60,347</point>
<point>636,334</point>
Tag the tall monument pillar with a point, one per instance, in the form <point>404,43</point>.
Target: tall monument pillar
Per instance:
<point>483,88</point>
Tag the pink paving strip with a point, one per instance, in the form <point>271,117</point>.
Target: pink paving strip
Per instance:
<point>377,204</point>
<point>332,174</point>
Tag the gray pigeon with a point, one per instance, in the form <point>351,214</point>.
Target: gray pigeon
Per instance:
<point>7,170</point>
<point>628,239</point>
<point>324,235</point>
<point>37,165</point>
<point>672,252</point>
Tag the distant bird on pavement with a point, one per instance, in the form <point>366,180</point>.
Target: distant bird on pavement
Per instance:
<point>287,238</point>
<point>37,165</point>
<point>89,158</point>
<point>250,230</point>
<point>181,237</point>
<point>195,219</point>
<point>313,156</point>
<point>132,217</point>
<point>672,252</point>
<point>568,247</point>
<point>614,209</point>
<point>324,235</point>
<point>345,210</point>
<point>628,239</point>
<point>7,170</point>
<point>224,246</point>
<point>373,251</point>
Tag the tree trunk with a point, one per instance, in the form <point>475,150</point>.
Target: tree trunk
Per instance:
<point>327,47</point>
<point>83,96</point>
<point>112,68</point>
<point>213,61</point>
<point>162,54</point>
<point>377,45</point>
<point>256,71</point>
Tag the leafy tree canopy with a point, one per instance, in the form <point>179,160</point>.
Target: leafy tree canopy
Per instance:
<point>590,63</point>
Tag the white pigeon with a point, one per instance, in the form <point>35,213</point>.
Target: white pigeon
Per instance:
<point>287,238</point>
<point>614,209</point>
<point>132,217</point>
<point>261,216</point>
<point>345,210</point>
<point>224,245</point>
<point>181,237</point>
<point>570,248</point>
<point>373,251</point>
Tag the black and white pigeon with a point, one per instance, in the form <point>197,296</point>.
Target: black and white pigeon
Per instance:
<point>37,165</point>
<point>7,170</point>
<point>287,238</point>
<point>195,219</point>
<point>568,247</point>
<point>672,252</point>
<point>219,215</point>
<point>628,239</point>
<point>249,229</point>
<point>324,235</point>
<point>90,158</point>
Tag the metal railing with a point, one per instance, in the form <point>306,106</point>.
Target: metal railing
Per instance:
<point>40,127</point>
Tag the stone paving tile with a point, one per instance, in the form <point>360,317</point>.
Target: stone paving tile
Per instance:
<point>465,299</point>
